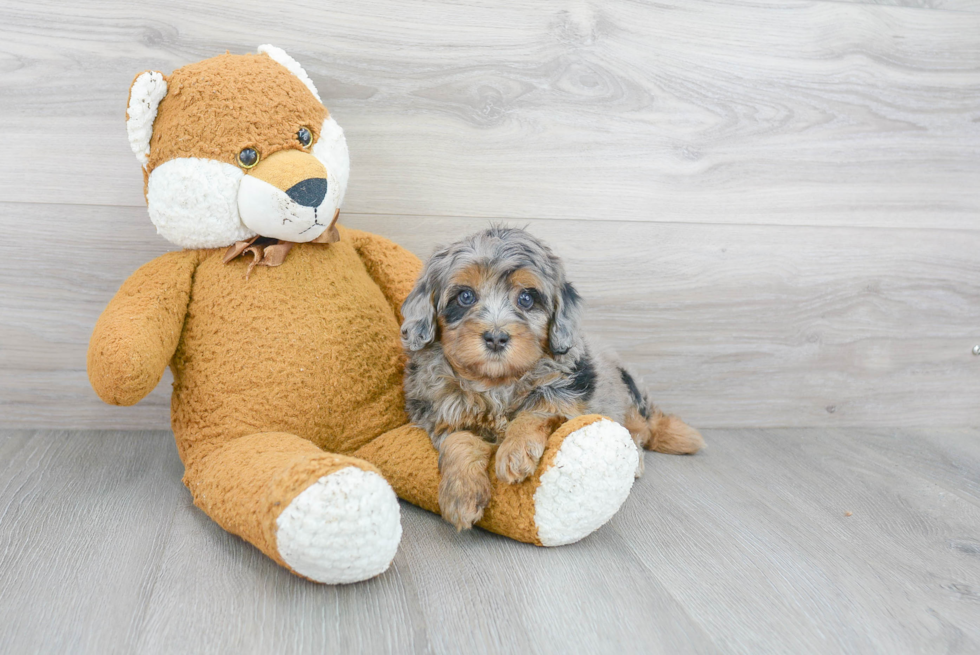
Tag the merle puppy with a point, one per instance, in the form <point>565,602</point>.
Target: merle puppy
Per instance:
<point>497,361</point>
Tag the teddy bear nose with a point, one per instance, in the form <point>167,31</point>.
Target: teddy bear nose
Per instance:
<point>309,193</point>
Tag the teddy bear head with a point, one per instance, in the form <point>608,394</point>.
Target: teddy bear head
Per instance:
<point>237,146</point>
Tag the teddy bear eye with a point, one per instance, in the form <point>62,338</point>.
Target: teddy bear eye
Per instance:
<point>305,137</point>
<point>248,158</point>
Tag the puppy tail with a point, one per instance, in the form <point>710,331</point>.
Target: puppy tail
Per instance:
<point>654,430</point>
<point>669,434</point>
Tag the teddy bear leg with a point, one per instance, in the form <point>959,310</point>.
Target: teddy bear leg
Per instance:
<point>584,476</point>
<point>327,517</point>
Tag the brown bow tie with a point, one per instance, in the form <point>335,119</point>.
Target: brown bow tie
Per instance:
<point>267,251</point>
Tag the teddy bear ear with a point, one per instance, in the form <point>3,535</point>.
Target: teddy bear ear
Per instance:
<point>279,56</point>
<point>145,94</point>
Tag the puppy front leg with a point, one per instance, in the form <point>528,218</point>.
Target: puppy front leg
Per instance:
<point>523,444</point>
<point>464,484</point>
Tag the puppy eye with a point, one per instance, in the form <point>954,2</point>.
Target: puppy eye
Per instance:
<point>466,298</point>
<point>305,137</point>
<point>525,299</point>
<point>248,158</point>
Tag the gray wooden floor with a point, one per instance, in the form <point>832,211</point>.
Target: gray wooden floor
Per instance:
<point>771,541</point>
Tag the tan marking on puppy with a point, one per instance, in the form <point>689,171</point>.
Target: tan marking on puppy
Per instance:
<point>473,276</point>
<point>525,279</point>
<point>464,347</point>
<point>673,436</point>
<point>524,351</point>
<point>639,429</point>
<point>464,485</point>
<point>524,441</point>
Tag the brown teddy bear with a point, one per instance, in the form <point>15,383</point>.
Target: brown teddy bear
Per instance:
<point>287,406</point>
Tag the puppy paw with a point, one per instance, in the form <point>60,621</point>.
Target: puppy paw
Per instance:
<point>638,473</point>
<point>517,458</point>
<point>463,497</point>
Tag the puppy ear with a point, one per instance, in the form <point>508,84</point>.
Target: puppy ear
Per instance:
<point>145,94</point>
<point>565,323</point>
<point>279,56</point>
<point>419,316</point>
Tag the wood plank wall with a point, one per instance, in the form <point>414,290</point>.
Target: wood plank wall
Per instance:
<point>772,207</point>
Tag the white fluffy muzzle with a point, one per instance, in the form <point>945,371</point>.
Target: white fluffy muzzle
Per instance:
<point>270,212</point>
<point>194,203</point>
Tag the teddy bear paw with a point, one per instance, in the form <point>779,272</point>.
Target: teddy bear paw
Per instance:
<point>588,481</point>
<point>345,527</point>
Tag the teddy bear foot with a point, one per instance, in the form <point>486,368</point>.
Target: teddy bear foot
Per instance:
<point>586,484</point>
<point>343,528</point>
<point>584,476</point>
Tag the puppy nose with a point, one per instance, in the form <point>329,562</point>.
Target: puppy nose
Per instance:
<point>309,193</point>
<point>496,340</point>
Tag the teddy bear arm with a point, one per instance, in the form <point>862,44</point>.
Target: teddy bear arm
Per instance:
<point>393,268</point>
<point>137,334</point>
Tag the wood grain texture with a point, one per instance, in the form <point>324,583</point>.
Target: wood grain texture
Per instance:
<point>776,112</point>
<point>836,538</point>
<point>728,325</point>
<point>745,548</point>
<point>791,185</point>
<point>771,206</point>
<point>929,5</point>
<point>790,325</point>
<point>84,523</point>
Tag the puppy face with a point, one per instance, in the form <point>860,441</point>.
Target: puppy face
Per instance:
<point>493,324</point>
<point>496,302</point>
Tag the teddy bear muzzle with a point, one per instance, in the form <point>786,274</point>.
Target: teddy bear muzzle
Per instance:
<point>286,196</point>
